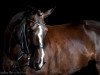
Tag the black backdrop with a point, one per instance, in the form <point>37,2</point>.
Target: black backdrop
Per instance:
<point>65,11</point>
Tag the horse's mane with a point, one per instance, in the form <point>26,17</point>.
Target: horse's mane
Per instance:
<point>18,28</point>
<point>18,17</point>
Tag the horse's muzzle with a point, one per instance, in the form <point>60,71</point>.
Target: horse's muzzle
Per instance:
<point>36,66</point>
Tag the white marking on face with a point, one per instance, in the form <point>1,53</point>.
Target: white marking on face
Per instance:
<point>40,34</point>
<point>42,56</point>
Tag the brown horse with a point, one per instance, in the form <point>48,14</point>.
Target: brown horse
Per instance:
<point>69,48</point>
<point>65,48</point>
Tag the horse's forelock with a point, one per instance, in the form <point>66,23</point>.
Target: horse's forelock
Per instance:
<point>30,11</point>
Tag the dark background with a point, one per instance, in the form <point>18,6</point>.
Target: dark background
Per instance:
<point>65,11</point>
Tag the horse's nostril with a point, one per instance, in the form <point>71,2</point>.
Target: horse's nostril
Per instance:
<point>36,64</point>
<point>44,63</point>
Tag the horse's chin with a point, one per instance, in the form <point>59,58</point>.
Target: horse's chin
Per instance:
<point>36,67</point>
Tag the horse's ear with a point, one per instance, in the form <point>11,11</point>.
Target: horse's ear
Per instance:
<point>48,12</point>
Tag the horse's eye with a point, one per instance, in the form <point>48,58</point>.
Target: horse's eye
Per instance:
<point>29,29</point>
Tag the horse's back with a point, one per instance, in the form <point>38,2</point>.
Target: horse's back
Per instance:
<point>67,33</point>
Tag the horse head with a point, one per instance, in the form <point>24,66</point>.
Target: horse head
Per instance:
<point>37,32</point>
<point>27,31</point>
